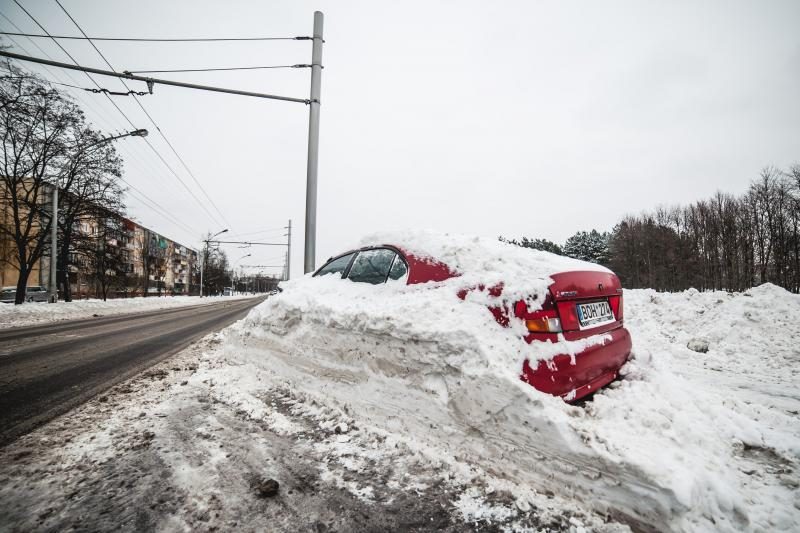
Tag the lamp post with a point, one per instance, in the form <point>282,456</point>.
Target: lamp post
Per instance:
<point>205,257</point>
<point>235,287</point>
<point>53,297</point>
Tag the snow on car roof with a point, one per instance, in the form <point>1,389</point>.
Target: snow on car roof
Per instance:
<point>484,259</point>
<point>472,253</point>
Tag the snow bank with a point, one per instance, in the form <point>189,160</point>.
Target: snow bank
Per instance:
<point>38,312</point>
<point>670,447</point>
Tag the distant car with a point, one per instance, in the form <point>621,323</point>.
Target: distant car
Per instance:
<point>579,304</point>
<point>8,294</point>
<point>227,291</point>
<point>34,293</point>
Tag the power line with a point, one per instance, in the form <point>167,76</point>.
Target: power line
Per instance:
<point>214,69</point>
<point>112,102</point>
<point>156,207</point>
<point>156,81</point>
<point>101,113</point>
<point>158,39</point>
<point>197,182</point>
<point>75,62</point>
<point>271,230</point>
<point>87,89</point>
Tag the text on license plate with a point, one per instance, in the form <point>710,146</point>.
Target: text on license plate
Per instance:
<point>594,314</point>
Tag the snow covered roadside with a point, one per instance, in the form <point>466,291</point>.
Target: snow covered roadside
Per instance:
<point>688,441</point>
<point>403,402</point>
<point>715,435</point>
<point>183,446</point>
<point>32,313</point>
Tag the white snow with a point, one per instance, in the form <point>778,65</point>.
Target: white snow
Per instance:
<point>688,441</point>
<point>412,375</point>
<point>39,312</point>
<point>480,260</point>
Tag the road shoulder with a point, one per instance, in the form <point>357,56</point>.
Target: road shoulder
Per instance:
<point>178,448</point>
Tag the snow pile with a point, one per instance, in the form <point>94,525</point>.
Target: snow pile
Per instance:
<point>672,446</point>
<point>719,429</point>
<point>39,312</point>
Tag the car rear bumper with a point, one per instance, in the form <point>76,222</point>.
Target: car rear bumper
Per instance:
<point>574,377</point>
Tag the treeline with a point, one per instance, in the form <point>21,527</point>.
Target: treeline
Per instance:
<point>726,242</point>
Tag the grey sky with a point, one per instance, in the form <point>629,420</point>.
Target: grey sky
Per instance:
<point>512,118</point>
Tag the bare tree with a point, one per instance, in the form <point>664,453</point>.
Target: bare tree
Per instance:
<point>35,125</point>
<point>105,256</point>
<point>91,176</point>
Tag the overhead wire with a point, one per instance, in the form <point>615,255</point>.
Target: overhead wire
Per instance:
<point>158,154</point>
<point>271,230</point>
<point>158,39</point>
<point>219,69</point>
<point>158,209</point>
<point>153,205</point>
<point>88,103</point>
<point>174,151</point>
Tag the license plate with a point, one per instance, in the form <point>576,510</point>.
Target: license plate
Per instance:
<point>594,314</point>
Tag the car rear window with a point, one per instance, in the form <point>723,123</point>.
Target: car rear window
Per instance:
<point>372,266</point>
<point>336,266</point>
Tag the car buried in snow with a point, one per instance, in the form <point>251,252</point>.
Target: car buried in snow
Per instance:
<point>578,304</point>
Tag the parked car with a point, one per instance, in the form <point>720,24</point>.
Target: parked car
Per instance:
<point>34,293</point>
<point>8,295</point>
<point>579,304</point>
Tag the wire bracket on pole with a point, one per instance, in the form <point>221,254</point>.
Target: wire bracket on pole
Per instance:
<point>116,93</point>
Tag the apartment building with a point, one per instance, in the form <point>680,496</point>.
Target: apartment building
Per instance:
<point>132,259</point>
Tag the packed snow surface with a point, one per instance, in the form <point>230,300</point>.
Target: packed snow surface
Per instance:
<point>39,312</point>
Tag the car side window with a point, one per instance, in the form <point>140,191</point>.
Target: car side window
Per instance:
<point>399,269</point>
<point>337,266</point>
<point>372,266</point>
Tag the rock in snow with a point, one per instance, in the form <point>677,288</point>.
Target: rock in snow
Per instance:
<point>265,488</point>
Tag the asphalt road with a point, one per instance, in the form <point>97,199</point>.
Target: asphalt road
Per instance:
<point>47,370</point>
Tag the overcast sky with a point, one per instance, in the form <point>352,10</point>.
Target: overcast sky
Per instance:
<point>492,118</point>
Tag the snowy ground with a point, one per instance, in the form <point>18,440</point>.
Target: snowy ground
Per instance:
<point>370,422</point>
<point>39,312</point>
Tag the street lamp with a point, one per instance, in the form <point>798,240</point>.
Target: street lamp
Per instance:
<point>205,253</point>
<point>53,298</point>
<point>235,287</point>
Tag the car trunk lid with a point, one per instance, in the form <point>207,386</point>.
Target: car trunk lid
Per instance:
<point>587,300</point>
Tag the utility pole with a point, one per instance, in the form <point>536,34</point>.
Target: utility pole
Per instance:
<point>313,146</point>
<point>289,251</point>
<point>202,266</point>
<point>53,296</point>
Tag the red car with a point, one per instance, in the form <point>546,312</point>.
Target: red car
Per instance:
<point>580,304</point>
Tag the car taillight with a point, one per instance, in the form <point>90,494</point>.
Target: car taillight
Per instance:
<point>544,320</point>
<point>616,306</point>
<point>544,323</point>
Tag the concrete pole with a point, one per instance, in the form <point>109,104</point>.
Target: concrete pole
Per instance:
<point>202,266</point>
<point>289,251</point>
<point>53,296</point>
<point>313,146</point>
